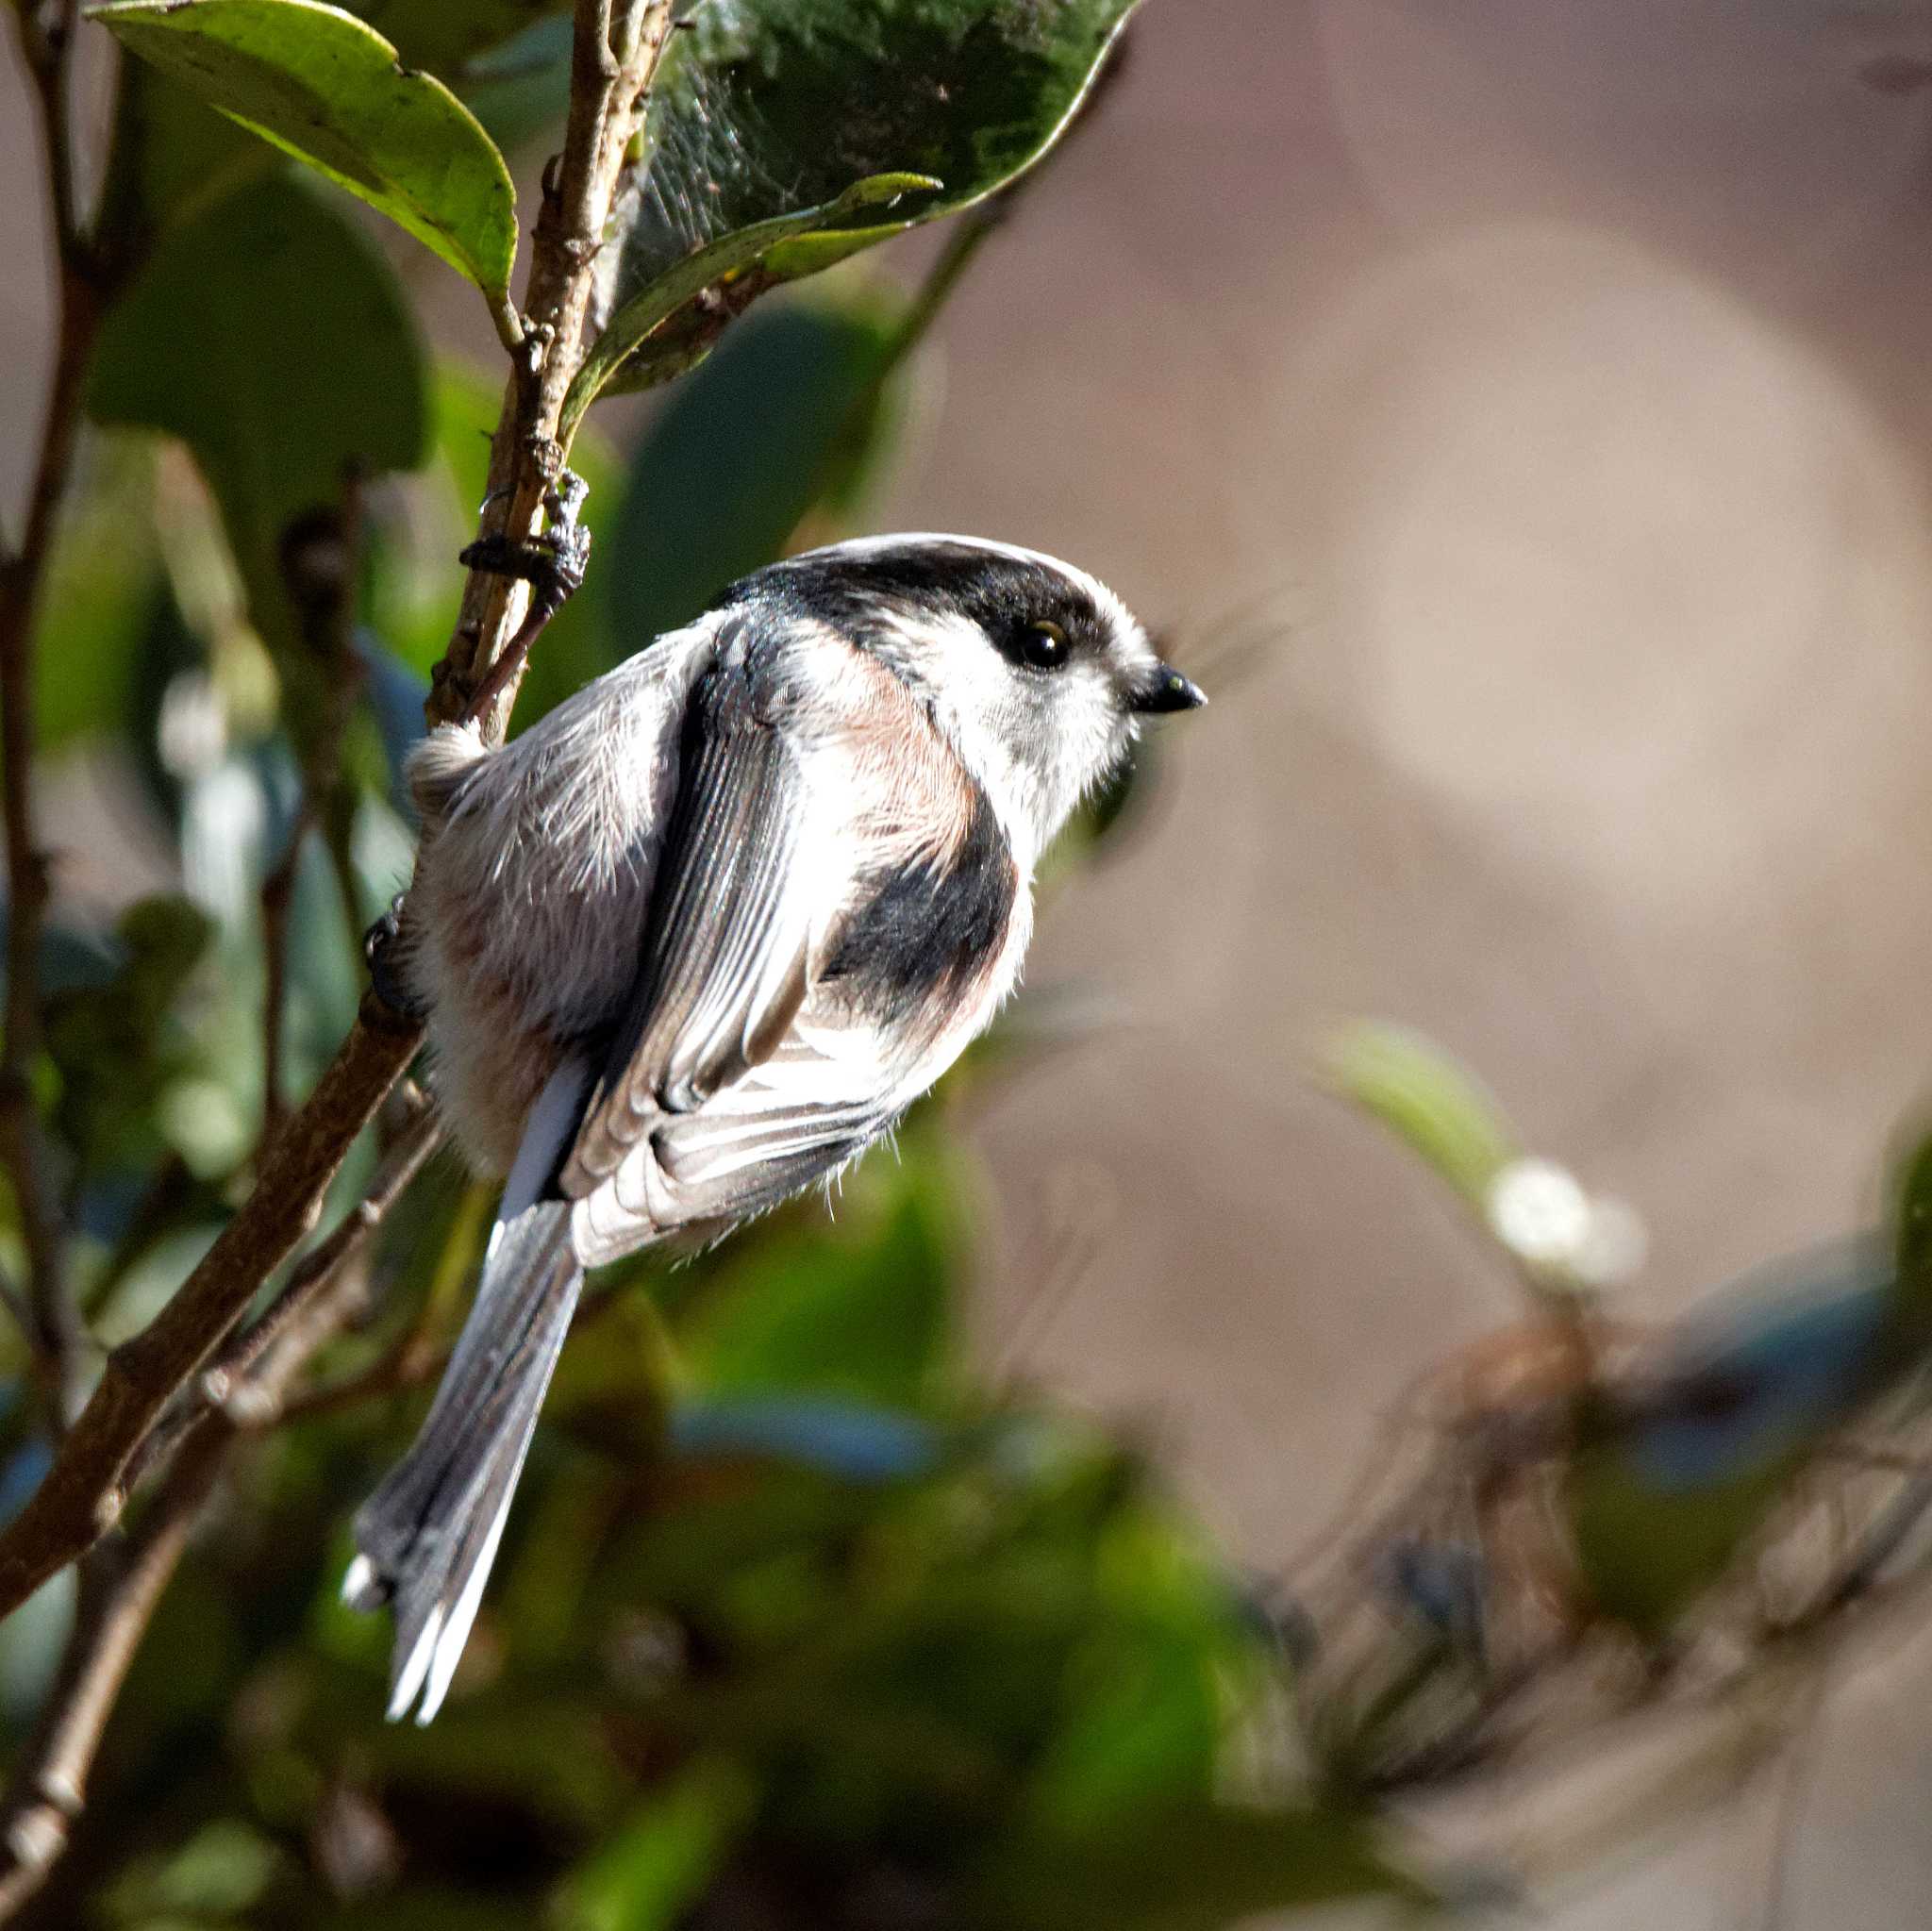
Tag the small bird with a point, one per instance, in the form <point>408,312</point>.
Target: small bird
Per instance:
<point>699,937</point>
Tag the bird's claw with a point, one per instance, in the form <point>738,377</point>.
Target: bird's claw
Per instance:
<point>379,952</point>
<point>553,564</point>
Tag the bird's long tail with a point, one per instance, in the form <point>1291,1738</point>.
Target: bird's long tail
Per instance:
<point>429,1534</point>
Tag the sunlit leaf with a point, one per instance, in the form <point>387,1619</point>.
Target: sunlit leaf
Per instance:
<point>1426,1100</point>
<point>324,86</point>
<point>766,106</point>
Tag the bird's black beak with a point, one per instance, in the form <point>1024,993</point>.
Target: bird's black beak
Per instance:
<point>1163,690</point>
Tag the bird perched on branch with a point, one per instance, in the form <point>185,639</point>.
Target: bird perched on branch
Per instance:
<point>697,939</point>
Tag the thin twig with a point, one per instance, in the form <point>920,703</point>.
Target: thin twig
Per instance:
<point>121,1583</point>
<point>226,1383</point>
<point>81,1496</point>
<point>607,92</point>
<point>81,1499</point>
<point>121,1579</point>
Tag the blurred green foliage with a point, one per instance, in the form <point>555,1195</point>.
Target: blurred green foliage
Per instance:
<point>797,1626</point>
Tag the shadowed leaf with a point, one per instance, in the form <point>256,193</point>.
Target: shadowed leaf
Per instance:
<point>743,451</point>
<point>624,335</point>
<point>1186,1868</point>
<point>271,337</point>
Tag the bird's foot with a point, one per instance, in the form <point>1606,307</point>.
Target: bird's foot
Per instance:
<point>553,564</point>
<point>385,975</point>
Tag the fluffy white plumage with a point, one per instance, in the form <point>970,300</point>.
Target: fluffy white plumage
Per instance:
<point>698,938</point>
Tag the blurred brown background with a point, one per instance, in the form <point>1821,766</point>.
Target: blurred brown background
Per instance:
<point>1548,383</point>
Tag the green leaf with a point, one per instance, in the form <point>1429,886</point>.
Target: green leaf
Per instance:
<point>120,1045</point>
<point>1193,1867</point>
<point>98,599</point>
<point>1911,1195</point>
<point>271,338</point>
<point>171,153</point>
<point>222,1869</point>
<point>739,455</point>
<point>319,85</point>
<point>1149,1680</point>
<point>767,106</point>
<point>1434,1106</point>
<point>860,1307</point>
<point>447,37</point>
<point>660,1862</point>
<point>728,257</point>
<point>520,87</point>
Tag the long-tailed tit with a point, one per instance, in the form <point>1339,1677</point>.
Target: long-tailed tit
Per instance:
<point>698,938</point>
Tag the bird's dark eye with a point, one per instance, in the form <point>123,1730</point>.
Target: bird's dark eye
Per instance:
<point>1042,646</point>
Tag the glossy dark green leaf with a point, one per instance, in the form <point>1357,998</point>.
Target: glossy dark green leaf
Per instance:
<point>269,336</point>
<point>766,106</point>
<point>741,452</point>
<point>324,86</point>
<point>623,337</point>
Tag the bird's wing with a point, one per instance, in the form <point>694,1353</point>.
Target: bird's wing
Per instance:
<point>741,886</point>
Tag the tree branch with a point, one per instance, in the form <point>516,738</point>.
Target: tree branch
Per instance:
<point>120,1586</point>
<point>614,54</point>
<point>83,1492</point>
<point>123,1578</point>
<point>81,1495</point>
<point>227,1384</point>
